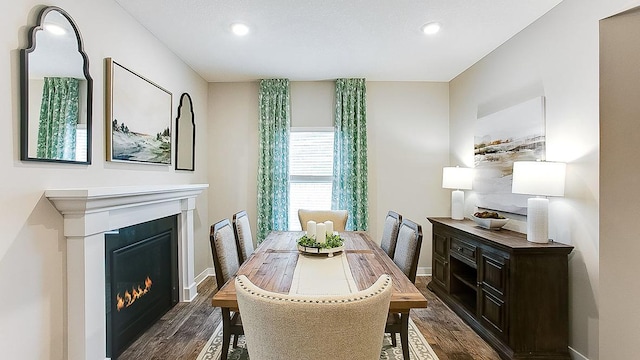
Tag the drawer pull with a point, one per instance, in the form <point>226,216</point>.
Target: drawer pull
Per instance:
<point>459,248</point>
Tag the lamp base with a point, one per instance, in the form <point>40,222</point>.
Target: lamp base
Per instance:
<point>538,220</point>
<point>457,205</point>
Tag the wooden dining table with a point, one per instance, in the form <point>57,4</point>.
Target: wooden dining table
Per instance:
<point>272,264</point>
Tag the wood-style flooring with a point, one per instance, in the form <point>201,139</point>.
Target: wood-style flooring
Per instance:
<point>185,329</point>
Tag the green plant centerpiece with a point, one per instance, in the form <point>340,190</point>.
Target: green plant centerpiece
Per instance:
<point>333,244</point>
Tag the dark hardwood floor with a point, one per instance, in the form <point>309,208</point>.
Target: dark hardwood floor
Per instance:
<point>185,329</point>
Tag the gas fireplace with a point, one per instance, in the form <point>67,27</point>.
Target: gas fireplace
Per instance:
<point>90,217</point>
<point>141,276</point>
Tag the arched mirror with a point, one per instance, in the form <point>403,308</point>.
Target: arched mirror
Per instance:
<point>185,135</point>
<point>56,92</point>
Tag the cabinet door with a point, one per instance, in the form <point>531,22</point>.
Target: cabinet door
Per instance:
<point>493,313</point>
<point>493,281</point>
<point>440,264</point>
<point>441,272</point>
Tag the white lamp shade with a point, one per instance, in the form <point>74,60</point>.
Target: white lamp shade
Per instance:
<point>457,178</point>
<point>545,178</point>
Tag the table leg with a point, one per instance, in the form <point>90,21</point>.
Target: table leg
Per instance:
<point>226,332</point>
<point>404,335</point>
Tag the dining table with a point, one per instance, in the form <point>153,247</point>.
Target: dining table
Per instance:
<point>272,267</point>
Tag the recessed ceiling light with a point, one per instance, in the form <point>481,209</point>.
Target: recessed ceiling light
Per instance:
<point>431,28</point>
<point>55,29</point>
<point>240,29</point>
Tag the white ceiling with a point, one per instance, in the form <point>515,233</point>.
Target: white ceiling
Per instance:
<point>303,40</point>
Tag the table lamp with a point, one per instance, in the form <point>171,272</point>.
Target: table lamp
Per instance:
<point>540,178</point>
<point>459,179</point>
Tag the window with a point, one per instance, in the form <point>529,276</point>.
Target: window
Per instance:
<point>310,171</point>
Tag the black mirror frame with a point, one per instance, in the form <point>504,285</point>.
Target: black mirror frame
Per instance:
<point>193,147</point>
<point>24,87</point>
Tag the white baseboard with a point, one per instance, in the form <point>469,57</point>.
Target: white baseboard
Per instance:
<point>575,355</point>
<point>203,275</point>
<point>424,271</point>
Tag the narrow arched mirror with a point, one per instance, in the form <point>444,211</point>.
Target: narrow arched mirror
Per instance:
<point>185,135</point>
<point>56,92</point>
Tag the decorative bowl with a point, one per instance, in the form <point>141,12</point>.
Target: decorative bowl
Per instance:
<point>490,223</point>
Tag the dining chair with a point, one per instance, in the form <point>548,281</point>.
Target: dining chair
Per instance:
<point>406,257</point>
<point>390,232</point>
<point>339,217</point>
<point>226,264</point>
<point>242,231</point>
<point>304,327</point>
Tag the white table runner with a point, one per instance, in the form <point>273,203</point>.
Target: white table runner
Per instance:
<point>321,275</point>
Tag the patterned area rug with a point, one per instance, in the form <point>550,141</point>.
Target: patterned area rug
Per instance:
<point>419,349</point>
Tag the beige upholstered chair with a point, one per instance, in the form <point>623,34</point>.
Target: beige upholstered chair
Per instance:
<point>226,264</point>
<point>339,217</point>
<point>390,233</point>
<point>279,326</point>
<point>406,257</point>
<point>242,231</point>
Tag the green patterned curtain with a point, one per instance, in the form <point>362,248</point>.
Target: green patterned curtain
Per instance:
<point>350,153</point>
<point>58,119</point>
<point>273,162</point>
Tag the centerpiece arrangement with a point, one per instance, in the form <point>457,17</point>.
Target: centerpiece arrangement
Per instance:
<point>320,239</point>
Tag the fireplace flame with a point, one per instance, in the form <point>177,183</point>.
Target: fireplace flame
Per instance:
<point>129,297</point>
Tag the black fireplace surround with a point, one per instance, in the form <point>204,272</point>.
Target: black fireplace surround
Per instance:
<point>141,279</point>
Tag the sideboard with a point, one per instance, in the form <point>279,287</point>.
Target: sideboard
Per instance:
<point>512,292</point>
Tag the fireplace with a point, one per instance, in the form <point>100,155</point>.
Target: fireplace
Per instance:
<point>141,276</point>
<point>90,214</point>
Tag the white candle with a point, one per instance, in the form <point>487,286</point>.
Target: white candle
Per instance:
<point>311,229</point>
<point>321,233</point>
<point>329,225</point>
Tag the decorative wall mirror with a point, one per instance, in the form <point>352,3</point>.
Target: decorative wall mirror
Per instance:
<point>185,135</point>
<point>56,92</point>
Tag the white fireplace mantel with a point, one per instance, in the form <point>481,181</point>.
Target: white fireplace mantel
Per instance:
<point>89,213</point>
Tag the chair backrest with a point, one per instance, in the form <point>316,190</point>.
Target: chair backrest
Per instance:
<point>339,217</point>
<point>408,248</point>
<point>279,326</point>
<point>224,252</point>
<point>390,233</point>
<point>242,231</point>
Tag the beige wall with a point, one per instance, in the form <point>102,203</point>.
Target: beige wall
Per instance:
<point>619,191</point>
<point>557,57</point>
<point>407,128</point>
<point>32,247</point>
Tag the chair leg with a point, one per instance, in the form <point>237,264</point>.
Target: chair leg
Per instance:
<point>394,343</point>
<point>404,335</point>
<point>235,340</point>
<point>226,332</point>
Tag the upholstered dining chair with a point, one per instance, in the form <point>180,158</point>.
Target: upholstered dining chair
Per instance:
<point>390,232</point>
<point>303,327</point>
<point>242,231</point>
<point>339,217</point>
<point>226,264</point>
<point>406,257</point>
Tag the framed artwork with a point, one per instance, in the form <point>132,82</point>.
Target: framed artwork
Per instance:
<point>138,115</point>
<point>513,134</point>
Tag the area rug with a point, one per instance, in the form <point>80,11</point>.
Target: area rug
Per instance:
<point>419,349</point>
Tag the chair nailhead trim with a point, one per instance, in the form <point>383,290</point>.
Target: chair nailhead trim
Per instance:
<point>362,297</point>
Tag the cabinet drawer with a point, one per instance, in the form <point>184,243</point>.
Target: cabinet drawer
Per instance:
<point>463,251</point>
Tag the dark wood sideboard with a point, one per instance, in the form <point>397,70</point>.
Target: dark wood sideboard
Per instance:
<point>512,292</point>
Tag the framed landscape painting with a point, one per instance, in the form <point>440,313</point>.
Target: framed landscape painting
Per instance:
<point>513,134</point>
<point>139,114</point>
